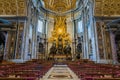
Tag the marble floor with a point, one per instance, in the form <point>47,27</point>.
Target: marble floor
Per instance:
<point>60,72</point>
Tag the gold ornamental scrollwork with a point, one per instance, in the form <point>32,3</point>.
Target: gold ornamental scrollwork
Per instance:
<point>60,31</point>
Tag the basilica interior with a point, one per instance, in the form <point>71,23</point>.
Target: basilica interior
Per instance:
<point>59,40</point>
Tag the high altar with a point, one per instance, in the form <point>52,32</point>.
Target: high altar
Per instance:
<point>60,39</point>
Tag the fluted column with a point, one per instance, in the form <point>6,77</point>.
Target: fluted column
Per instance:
<point>93,43</point>
<point>16,41</point>
<point>26,33</point>
<point>36,31</point>
<point>23,41</point>
<point>74,42</point>
<point>7,43</point>
<point>45,39</point>
<point>85,36</point>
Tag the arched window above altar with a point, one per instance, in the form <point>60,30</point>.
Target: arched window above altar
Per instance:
<point>40,26</point>
<point>80,28</point>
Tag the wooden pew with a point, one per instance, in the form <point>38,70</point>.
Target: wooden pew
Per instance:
<point>27,78</point>
<point>107,79</point>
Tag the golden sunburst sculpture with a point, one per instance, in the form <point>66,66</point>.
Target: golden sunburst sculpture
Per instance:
<point>60,26</point>
<point>60,30</point>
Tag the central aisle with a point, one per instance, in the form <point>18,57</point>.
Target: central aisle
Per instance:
<point>60,72</point>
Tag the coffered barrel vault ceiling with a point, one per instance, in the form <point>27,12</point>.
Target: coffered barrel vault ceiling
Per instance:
<point>67,8</point>
<point>107,8</point>
<point>13,7</point>
<point>61,7</point>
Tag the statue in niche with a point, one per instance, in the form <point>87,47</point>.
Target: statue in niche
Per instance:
<point>118,51</point>
<point>79,48</point>
<point>41,48</point>
<point>1,52</point>
<point>29,49</point>
<point>1,48</point>
<point>90,49</point>
<point>60,45</point>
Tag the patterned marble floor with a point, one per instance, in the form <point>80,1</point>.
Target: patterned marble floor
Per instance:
<point>60,72</point>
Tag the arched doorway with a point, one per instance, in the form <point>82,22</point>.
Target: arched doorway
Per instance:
<point>2,44</point>
<point>117,41</point>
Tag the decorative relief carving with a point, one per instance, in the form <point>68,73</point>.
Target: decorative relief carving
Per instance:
<point>21,11</point>
<point>100,40</point>
<point>107,8</point>
<point>98,9</point>
<point>1,11</point>
<point>1,4</point>
<point>21,7</point>
<point>13,7</point>
<point>7,11</point>
<point>21,4</point>
<point>14,11</point>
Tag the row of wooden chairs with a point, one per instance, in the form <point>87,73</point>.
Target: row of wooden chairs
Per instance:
<point>94,71</point>
<point>32,70</point>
